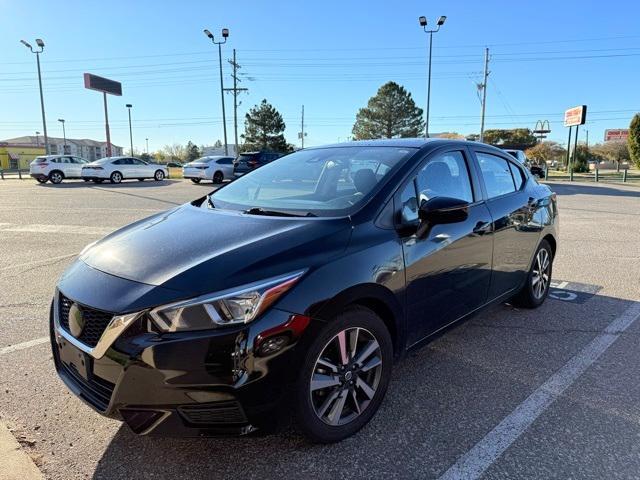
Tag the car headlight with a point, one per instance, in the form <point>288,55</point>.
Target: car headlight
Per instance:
<point>231,307</point>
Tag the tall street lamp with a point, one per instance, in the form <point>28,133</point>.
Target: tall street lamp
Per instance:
<point>423,24</point>
<point>225,35</point>
<point>147,140</point>
<point>40,44</point>
<point>64,136</point>
<point>128,105</point>
<point>37,138</point>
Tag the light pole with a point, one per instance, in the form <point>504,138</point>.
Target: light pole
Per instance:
<point>225,35</point>
<point>147,140</point>
<point>40,44</point>
<point>128,105</point>
<point>423,24</point>
<point>64,136</point>
<point>37,138</point>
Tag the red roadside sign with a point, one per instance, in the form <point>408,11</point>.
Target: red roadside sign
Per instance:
<point>575,116</point>
<point>616,134</point>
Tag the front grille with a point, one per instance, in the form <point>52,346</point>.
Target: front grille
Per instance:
<point>95,321</point>
<point>96,391</point>
<point>213,413</point>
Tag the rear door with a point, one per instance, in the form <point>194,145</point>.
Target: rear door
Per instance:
<point>515,232</point>
<point>449,270</point>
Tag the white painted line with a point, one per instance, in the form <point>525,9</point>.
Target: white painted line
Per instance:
<point>37,262</point>
<point>476,461</point>
<point>23,345</point>
<point>45,228</point>
<point>560,285</point>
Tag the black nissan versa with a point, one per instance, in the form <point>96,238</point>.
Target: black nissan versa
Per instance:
<point>293,289</point>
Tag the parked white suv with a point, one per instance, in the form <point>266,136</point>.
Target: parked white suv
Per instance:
<point>56,168</point>
<point>117,169</point>
<point>214,168</point>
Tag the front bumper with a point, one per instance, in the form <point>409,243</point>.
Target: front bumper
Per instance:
<point>181,384</point>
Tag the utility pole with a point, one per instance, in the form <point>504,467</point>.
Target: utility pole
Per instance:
<point>235,91</point>
<point>302,134</point>
<point>484,92</point>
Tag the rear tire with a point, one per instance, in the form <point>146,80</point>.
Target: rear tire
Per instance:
<point>116,177</point>
<point>42,180</point>
<point>195,180</point>
<point>344,376</point>
<point>536,288</point>
<point>158,176</point>
<point>56,177</point>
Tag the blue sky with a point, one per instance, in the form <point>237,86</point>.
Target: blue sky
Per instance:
<point>330,56</point>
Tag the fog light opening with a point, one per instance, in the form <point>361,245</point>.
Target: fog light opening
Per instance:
<point>140,421</point>
<point>273,345</point>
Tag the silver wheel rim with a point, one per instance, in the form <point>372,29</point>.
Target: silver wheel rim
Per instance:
<point>56,178</point>
<point>159,175</point>
<point>116,177</point>
<point>540,278</point>
<point>346,376</point>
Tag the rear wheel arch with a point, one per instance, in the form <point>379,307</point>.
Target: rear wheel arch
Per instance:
<point>552,243</point>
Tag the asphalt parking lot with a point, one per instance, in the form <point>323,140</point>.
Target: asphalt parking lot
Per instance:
<point>550,393</point>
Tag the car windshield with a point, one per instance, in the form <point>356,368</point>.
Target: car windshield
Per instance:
<point>321,182</point>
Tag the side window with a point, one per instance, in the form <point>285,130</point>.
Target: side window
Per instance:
<point>496,173</point>
<point>518,175</point>
<point>445,175</point>
<point>65,160</point>
<point>117,162</point>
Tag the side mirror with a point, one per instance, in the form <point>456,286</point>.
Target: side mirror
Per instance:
<point>441,210</point>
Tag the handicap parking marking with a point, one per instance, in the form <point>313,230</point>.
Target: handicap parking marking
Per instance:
<point>572,292</point>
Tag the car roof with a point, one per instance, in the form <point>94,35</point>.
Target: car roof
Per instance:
<point>398,142</point>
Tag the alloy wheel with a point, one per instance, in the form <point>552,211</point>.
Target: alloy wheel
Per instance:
<point>159,175</point>
<point>540,278</point>
<point>346,376</point>
<point>116,177</point>
<point>56,177</point>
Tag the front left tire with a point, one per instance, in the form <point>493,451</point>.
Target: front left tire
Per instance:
<point>344,376</point>
<point>158,176</point>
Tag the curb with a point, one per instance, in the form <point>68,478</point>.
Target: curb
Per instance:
<point>15,463</point>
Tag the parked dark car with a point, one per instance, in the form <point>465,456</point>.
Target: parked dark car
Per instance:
<point>251,160</point>
<point>295,287</point>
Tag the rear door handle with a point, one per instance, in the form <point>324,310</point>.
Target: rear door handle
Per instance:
<point>482,227</point>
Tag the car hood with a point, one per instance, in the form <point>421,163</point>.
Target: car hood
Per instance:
<point>199,250</point>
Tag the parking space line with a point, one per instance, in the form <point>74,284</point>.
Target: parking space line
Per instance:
<point>23,345</point>
<point>477,460</point>
<point>47,228</point>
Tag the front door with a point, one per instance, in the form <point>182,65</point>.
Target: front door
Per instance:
<point>448,270</point>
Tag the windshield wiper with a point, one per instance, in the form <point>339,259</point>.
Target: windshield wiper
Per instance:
<point>277,213</point>
<point>210,201</point>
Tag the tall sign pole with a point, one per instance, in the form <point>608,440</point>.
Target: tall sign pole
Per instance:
<point>104,85</point>
<point>574,117</point>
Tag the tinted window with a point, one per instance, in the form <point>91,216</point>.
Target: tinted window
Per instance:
<point>518,175</point>
<point>496,174</point>
<point>225,161</point>
<point>445,175</point>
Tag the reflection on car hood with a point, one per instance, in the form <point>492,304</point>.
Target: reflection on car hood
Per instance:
<point>199,250</point>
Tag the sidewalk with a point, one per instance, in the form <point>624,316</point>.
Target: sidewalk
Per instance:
<point>15,464</point>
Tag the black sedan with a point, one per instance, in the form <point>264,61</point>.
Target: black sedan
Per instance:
<point>296,287</point>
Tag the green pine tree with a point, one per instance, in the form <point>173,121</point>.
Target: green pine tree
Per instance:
<point>390,113</point>
<point>264,129</point>
<point>634,140</point>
